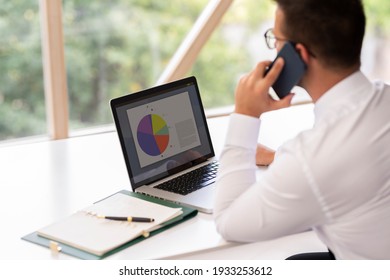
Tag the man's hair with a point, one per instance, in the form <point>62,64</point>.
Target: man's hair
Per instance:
<point>332,30</point>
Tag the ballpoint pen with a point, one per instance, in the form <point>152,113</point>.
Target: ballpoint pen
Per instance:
<point>128,219</point>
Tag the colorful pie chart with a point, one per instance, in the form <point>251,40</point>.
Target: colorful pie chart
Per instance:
<point>153,135</point>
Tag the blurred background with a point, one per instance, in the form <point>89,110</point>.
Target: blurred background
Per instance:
<point>121,46</point>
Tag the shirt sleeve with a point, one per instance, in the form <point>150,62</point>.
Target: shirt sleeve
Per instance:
<point>253,207</point>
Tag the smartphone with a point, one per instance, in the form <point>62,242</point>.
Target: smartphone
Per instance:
<point>292,71</point>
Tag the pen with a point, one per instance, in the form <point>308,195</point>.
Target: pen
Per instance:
<point>128,219</point>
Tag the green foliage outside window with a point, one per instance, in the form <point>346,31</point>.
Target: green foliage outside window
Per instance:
<point>116,47</point>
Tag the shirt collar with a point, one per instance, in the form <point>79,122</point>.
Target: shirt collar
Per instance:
<point>341,93</point>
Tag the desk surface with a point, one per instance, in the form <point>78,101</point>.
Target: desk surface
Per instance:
<point>41,183</point>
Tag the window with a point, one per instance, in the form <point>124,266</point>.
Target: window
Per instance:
<point>376,45</point>
<point>116,47</point>
<point>121,46</point>
<point>233,49</point>
<point>22,106</point>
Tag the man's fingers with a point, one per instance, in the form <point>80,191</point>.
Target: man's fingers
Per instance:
<point>261,68</point>
<point>285,102</point>
<point>252,92</point>
<point>274,72</point>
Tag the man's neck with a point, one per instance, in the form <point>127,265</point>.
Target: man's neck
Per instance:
<point>325,79</point>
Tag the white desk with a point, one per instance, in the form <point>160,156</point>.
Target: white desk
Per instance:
<point>43,182</point>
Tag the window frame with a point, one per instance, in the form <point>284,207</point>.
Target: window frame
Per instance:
<point>53,53</point>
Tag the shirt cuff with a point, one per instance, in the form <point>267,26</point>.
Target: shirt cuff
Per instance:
<point>243,131</point>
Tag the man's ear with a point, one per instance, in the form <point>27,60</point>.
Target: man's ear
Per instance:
<point>303,52</point>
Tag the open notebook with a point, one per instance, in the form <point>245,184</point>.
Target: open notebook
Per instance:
<point>85,231</point>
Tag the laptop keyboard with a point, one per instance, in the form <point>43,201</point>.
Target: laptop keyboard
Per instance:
<point>192,181</point>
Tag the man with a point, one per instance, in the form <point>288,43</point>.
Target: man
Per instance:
<point>334,178</point>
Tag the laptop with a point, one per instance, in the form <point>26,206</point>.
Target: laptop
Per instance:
<point>166,143</point>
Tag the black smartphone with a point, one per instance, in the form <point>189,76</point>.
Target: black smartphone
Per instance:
<point>292,71</point>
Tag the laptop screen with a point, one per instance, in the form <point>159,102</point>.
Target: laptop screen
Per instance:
<point>162,130</point>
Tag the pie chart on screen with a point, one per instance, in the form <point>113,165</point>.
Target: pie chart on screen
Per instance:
<point>153,134</point>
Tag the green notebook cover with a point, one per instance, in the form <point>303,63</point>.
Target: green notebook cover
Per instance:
<point>187,214</point>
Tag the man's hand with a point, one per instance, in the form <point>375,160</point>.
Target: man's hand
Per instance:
<point>252,97</point>
<point>264,155</point>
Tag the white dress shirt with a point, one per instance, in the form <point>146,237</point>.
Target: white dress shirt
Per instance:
<point>333,178</point>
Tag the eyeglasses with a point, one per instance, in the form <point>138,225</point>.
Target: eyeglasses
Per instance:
<point>271,39</point>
